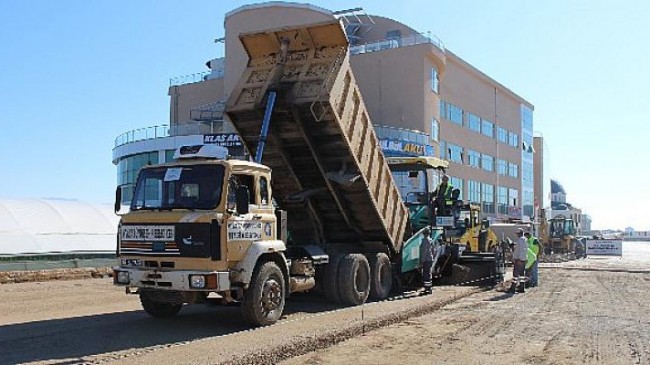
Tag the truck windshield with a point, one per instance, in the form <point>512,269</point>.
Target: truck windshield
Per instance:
<point>178,187</point>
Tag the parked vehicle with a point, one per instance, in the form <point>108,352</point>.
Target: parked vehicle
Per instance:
<point>318,209</point>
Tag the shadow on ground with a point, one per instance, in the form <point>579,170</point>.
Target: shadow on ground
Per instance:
<point>74,338</point>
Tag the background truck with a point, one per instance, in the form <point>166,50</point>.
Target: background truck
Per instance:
<point>318,209</point>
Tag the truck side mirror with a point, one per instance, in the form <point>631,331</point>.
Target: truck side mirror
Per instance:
<point>242,198</point>
<point>118,199</point>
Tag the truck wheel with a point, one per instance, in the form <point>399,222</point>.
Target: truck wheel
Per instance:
<point>330,279</point>
<point>354,279</point>
<point>381,276</point>
<point>158,309</point>
<point>264,299</point>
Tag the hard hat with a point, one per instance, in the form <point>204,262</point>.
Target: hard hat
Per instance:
<point>520,231</point>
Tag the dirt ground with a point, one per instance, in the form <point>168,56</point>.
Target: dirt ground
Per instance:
<point>592,311</point>
<point>578,315</point>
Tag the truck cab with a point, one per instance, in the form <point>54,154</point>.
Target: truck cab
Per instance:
<point>202,227</point>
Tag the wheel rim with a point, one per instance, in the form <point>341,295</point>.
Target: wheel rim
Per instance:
<point>271,296</point>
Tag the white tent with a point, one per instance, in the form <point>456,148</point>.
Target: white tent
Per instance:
<point>41,226</point>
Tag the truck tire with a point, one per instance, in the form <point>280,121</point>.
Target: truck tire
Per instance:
<point>264,299</point>
<point>381,276</point>
<point>158,309</point>
<point>354,279</point>
<point>331,279</point>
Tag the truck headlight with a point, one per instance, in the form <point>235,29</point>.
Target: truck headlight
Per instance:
<point>122,277</point>
<point>197,281</point>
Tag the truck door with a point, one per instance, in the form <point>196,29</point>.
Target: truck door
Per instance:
<point>244,228</point>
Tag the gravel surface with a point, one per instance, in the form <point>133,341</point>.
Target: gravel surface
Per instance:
<point>574,317</point>
<point>585,311</point>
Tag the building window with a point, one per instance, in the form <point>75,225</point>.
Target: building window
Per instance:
<point>487,201</point>
<point>473,123</point>
<point>513,195</point>
<point>487,162</point>
<point>169,155</point>
<point>434,80</point>
<point>451,112</point>
<point>455,114</point>
<point>443,150</point>
<point>513,139</point>
<point>502,135</point>
<point>128,169</point>
<point>487,128</point>
<point>474,188</point>
<point>502,196</point>
<point>435,129</point>
<point>457,184</point>
<point>474,158</point>
<point>455,153</point>
<point>502,167</point>
<point>513,169</point>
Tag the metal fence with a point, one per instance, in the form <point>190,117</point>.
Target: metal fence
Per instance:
<point>397,43</point>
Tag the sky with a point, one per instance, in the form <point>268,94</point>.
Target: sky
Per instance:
<point>75,74</point>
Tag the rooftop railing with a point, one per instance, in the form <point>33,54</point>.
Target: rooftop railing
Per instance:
<point>165,130</point>
<point>397,43</point>
<point>188,79</point>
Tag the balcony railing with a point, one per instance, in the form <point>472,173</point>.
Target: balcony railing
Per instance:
<point>188,79</point>
<point>165,130</point>
<point>402,134</point>
<point>397,43</point>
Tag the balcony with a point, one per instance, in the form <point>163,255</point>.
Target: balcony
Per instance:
<point>397,43</point>
<point>165,130</point>
<point>217,69</point>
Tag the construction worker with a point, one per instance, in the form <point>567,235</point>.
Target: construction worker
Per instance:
<point>426,260</point>
<point>532,262</point>
<point>519,257</point>
<point>442,195</point>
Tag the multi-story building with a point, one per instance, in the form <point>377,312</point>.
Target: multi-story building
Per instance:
<point>422,99</point>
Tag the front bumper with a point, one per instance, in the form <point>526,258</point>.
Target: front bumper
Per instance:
<point>178,280</point>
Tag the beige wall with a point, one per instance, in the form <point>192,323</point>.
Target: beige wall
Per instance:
<point>474,92</point>
<point>185,97</point>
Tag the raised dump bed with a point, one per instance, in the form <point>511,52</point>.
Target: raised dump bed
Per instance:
<point>329,172</point>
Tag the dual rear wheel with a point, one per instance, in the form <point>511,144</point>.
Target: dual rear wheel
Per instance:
<point>352,278</point>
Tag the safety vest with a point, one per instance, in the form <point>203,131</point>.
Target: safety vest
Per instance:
<point>532,246</point>
<point>447,193</point>
<point>533,251</point>
<point>530,258</point>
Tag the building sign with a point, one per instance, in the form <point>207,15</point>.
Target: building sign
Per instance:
<point>605,247</point>
<point>406,148</point>
<point>223,139</point>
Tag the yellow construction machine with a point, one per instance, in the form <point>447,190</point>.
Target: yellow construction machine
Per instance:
<point>471,250</point>
<point>560,235</point>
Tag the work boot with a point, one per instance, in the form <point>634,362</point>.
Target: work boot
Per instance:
<point>521,288</point>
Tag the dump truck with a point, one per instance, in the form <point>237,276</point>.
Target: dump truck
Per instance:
<point>317,209</point>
